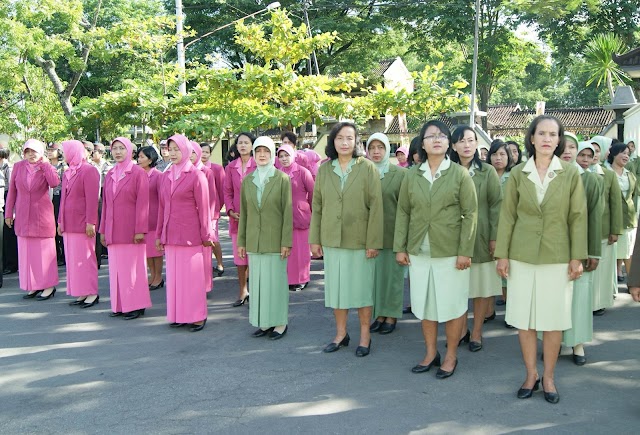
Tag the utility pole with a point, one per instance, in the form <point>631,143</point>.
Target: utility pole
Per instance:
<point>180,48</point>
<point>305,6</point>
<point>474,75</point>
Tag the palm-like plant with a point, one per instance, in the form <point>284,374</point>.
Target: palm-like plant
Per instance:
<point>600,63</point>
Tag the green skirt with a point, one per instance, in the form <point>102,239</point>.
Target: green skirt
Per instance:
<point>348,278</point>
<point>581,312</point>
<point>269,304</point>
<point>388,288</point>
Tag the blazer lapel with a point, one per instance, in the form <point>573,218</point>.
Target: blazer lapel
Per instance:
<point>552,188</point>
<point>438,181</point>
<point>355,169</point>
<point>267,189</point>
<point>389,177</point>
<point>424,184</point>
<point>178,182</point>
<point>334,181</point>
<point>122,182</point>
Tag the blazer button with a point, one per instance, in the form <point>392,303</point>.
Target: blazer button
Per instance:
<point>338,217</point>
<point>539,233</point>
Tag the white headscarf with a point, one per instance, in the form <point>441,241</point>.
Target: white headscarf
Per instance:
<point>383,166</point>
<point>265,171</point>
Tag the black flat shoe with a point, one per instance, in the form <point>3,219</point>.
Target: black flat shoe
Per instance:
<point>44,298</point>
<point>176,325</point>
<point>579,360</point>
<point>475,346</point>
<point>434,362</point>
<point>363,351</point>
<point>156,287</point>
<point>443,374</point>
<point>9,271</point>
<point>387,328</point>
<point>32,295</point>
<point>332,347</point>
<point>375,326</point>
<point>506,325</point>
<point>490,318</point>
<point>240,302</point>
<point>134,314</point>
<point>278,335</point>
<point>115,314</point>
<point>196,328</point>
<point>262,332</point>
<point>526,393</point>
<point>77,302</point>
<point>219,271</point>
<point>91,304</point>
<point>407,310</point>
<point>599,312</point>
<point>551,397</point>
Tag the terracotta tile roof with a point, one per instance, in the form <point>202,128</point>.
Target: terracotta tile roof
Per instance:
<point>631,58</point>
<point>582,120</point>
<point>413,126</point>
<point>499,114</point>
<point>382,67</point>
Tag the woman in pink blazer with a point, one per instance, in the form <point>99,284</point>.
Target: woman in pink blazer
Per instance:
<point>196,161</point>
<point>77,224</point>
<point>299,262</point>
<point>147,159</point>
<point>184,228</point>
<point>234,174</point>
<point>124,222</point>
<point>35,223</point>
<point>218,174</point>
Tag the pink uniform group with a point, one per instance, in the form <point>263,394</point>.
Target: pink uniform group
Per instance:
<point>144,214</point>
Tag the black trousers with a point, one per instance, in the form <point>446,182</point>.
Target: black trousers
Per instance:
<point>59,240</point>
<point>9,245</point>
<point>1,247</point>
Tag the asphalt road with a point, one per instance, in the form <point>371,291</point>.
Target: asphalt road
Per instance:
<point>73,371</point>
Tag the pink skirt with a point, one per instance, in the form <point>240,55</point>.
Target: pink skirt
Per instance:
<point>128,277</point>
<point>82,267</point>
<point>207,251</point>
<point>150,242</point>
<point>186,293</point>
<point>37,263</point>
<point>299,262</point>
<point>236,259</point>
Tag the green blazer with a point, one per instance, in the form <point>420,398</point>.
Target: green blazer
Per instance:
<point>612,215</point>
<point>550,233</point>
<point>489,194</point>
<point>629,218</point>
<point>268,228</point>
<point>351,218</point>
<point>594,188</point>
<point>448,211</point>
<point>390,192</point>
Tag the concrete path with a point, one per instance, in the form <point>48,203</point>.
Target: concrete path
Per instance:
<point>73,371</point>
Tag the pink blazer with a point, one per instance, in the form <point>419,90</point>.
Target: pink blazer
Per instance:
<point>154,193</point>
<point>184,216</point>
<point>302,196</point>
<point>79,199</point>
<point>32,205</point>
<point>232,183</point>
<point>212,189</point>
<point>125,213</point>
<point>219,175</point>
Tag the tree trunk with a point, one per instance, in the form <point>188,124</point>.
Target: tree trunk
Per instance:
<point>610,86</point>
<point>484,94</point>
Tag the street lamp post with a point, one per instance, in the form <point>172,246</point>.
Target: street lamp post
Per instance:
<point>181,46</point>
<point>474,74</point>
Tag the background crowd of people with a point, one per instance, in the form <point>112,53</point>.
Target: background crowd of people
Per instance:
<point>552,233</point>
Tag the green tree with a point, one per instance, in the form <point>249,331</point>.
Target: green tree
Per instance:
<point>599,56</point>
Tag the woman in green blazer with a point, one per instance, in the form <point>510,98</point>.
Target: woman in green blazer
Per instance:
<point>604,277</point>
<point>389,276</point>
<point>347,229</point>
<point>617,160</point>
<point>543,222</point>
<point>435,235</point>
<point>581,154</point>
<point>265,231</point>
<point>485,283</point>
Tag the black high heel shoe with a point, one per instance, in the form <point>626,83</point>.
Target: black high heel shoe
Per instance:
<point>262,332</point>
<point>134,314</point>
<point>465,339</point>
<point>332,347</point>
<point>49,296</point>
<point>196,328</point>
<point>549,396</point>
<point>434,362</point>
<point>240,302</point>
<point>156,287</point>
<point>91,304</point>
<point>490,318</point>
<point>443,374</point>
<point>219,271</point>
<point>32,295</point>
<point>526,393</point>
<point>77,302</point>
<point>363,351</point>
